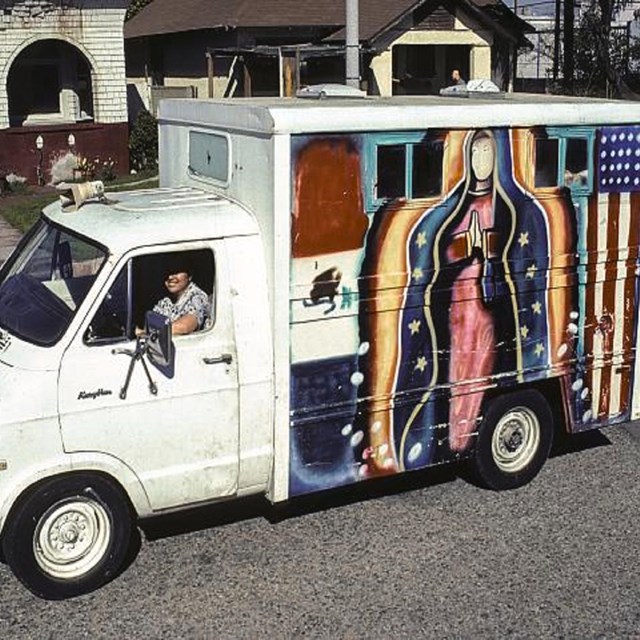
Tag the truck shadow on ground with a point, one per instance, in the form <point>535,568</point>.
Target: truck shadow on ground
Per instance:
<point>238,510</point>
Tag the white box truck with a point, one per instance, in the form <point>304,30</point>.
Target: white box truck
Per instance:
<point>390,284</point>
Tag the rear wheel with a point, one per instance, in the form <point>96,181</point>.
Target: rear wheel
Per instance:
<point>69,536</point>
<point>514,440</point>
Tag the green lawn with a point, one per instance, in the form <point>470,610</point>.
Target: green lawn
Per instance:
<point>22,210</point>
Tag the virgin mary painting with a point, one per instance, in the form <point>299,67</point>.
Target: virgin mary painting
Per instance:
<point>453,304</point>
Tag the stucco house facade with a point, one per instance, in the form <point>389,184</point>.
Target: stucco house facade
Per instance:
<point>227,48</point>
<point>62,84</point>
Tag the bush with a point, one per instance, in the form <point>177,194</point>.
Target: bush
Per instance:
<point>106,170</point>
<point>143,142</point>
<point>96,169</point>
<point>63,167</point>
<point>12,184</point>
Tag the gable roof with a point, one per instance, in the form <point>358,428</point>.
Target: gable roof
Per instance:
<point>376,16</point>
<point>162,16</point>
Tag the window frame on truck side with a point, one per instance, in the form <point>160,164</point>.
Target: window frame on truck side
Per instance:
<point>563,136</point>
<point>409,142</point>
<point>199,173</point>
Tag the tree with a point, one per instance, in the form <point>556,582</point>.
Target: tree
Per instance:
<point>143,142</point>
<point>602,51</point>
<point>136,6</point>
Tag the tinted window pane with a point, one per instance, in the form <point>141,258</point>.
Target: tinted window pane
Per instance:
<point>427,169</point>
<point>391,171</point>
<point>546,162</point>
<point>209,155</point>
<point>576,165</point>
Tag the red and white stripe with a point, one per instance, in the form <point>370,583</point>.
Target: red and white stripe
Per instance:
<point>610,301</point>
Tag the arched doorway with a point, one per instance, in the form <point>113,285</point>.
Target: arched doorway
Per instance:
<point>50,82</point>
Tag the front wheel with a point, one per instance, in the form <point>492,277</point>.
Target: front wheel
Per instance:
<point>513,441</point>
<point>69,536</point>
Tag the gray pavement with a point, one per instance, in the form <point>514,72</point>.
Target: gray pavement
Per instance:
<point>445,559</point>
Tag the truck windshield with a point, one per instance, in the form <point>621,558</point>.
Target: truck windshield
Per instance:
<point>45,283</point>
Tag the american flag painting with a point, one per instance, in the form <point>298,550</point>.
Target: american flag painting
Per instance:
<point>609,239</point>
<point>619,159</point>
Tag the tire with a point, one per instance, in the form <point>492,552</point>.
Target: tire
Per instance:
<point>68,536</point>
<point>513,441</point>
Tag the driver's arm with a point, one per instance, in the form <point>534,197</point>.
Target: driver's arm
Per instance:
<point>187,323</point>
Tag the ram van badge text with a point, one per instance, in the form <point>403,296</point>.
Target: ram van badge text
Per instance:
<point>5,340</point>
<point>92,395</point>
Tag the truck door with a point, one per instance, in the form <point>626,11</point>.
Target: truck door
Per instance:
<point>182,442</point>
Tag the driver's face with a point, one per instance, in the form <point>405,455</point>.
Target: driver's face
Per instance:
<point>177,282</point>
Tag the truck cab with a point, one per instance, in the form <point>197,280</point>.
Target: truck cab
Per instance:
<point>80,402</point>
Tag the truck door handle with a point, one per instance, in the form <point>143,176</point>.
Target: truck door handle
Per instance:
<point>225,358</point>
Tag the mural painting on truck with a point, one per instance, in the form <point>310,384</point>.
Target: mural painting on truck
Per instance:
<point>433,269</point>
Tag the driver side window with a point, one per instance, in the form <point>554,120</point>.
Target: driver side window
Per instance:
<point>144,284</point>
<point>111,323</point>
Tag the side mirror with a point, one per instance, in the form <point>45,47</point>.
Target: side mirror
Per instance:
<point>160,349</point>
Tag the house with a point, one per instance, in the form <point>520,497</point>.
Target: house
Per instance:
<point>62,86</point>
<point>229,48</point>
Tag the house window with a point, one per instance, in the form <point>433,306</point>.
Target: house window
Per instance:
<point>209,156</point>
<point>404,168</point>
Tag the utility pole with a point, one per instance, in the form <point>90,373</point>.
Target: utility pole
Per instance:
<point>515,53</point>
<point>556,42</point>
<point>353,44</point>
<point>568,46</point>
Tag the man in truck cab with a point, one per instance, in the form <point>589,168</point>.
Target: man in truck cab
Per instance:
<point>187,305</point>
<point>164,282</point>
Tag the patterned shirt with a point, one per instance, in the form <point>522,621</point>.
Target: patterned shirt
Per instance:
<point>193,301</point>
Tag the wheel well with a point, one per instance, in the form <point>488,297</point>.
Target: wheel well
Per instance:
<point>31,489</point>
<point>551,389</point>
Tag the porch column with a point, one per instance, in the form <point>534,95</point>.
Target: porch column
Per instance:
<point>480,63</point>
<point>382,68</point>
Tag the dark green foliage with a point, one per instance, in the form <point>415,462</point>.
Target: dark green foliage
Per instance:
<point>143,142</point>
<point>606,57</point>
<point>136,6</point>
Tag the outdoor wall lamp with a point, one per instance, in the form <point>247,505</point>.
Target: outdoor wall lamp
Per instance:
<point>71,140</point>
<point>39,172</point>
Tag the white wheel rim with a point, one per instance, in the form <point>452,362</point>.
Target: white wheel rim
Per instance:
<point>515,440</point>
<point>72,537</point>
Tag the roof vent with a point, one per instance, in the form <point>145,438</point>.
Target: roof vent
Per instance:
<point>322,91</point>
<point>74,195</point>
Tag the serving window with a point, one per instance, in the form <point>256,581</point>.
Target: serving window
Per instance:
<point>563,158</point>
<point>404,166</point>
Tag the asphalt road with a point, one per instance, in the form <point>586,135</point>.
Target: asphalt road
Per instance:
<point>556,559</point>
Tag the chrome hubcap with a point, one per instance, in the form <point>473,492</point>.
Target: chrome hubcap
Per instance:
<point>72,537</point>
<point>515,440</point>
